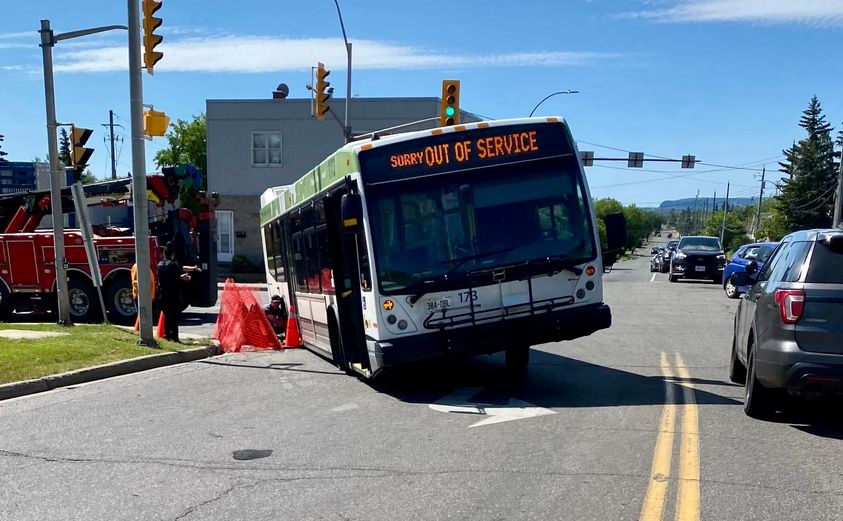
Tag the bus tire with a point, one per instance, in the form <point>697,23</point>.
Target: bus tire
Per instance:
<point>119,303</point>
<point>517,359</point>
<point>83,301</point>
<point>5,301</point>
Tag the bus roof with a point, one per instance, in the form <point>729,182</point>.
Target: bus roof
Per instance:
<point>277,200</point>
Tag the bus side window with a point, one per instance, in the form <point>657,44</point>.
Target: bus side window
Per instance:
<point>299,267</point>
<point>278,251</point>
<point>271,248</point>
<point>365,270</point>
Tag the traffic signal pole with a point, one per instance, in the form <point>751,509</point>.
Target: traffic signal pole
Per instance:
<point>838,200</point>
<point>48,41</point>
<point>139,197</point>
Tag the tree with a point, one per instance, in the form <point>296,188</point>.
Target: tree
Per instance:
<point>2,137</point>
<point>187,144</point>
<point>807,196</point>
<point>64,148</point>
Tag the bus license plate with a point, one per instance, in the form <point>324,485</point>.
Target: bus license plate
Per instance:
<point>438,304</point>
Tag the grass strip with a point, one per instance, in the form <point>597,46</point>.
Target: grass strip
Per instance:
<point>83,346</point>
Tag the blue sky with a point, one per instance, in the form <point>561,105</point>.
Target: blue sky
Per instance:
<point>725,80</point>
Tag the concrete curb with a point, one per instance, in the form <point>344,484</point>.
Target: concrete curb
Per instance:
<point>89,374</point>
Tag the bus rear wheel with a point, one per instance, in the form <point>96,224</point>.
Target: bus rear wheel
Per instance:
<point>517,359</point>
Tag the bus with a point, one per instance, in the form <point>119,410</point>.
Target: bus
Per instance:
<point>462,240</point>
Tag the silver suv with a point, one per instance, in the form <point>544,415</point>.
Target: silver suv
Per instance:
<point>788,332</point>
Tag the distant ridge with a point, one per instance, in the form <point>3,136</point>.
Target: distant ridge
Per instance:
<point>682,204</point>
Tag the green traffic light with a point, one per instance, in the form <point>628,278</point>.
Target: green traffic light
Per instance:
<point>449,111</point>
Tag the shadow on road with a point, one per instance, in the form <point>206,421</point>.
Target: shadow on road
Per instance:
<point>820,418</point>
<point>294,367</point>
<point>551,381</point>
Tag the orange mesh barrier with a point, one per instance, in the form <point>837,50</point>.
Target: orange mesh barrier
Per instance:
<point>242,324</point>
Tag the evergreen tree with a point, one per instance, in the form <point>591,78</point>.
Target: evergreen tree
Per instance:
<point>807,196</point>
<point>2,137</point>
<point>64,148</point>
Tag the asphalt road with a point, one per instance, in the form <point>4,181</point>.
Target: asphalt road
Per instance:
<point>638,421</point>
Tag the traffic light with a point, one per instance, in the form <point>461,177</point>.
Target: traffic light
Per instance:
<point>79,155</point>
<point>150,39</point>
<point>450,112</point>
<point>155,123</point>
<point>323,92</point>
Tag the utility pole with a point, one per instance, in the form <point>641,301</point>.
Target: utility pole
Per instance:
<point>838,200</point>
<point>760,197</point>
<point>111,126</point>
<point>696,213</point>
<point>139,198</point>
<point>725,211</point>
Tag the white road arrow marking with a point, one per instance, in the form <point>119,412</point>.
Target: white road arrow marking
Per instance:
<point>460,402</point>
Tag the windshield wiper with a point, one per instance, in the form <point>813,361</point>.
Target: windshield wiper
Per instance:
<point>420,289</point>
<point>566,263</point>
<point>462,260</point>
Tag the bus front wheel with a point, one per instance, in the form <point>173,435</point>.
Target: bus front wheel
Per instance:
<point>517,359</point>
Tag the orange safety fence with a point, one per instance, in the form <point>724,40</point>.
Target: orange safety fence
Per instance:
<point>242,324</point>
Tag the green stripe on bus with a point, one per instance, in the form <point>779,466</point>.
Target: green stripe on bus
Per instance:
<point>332,169</point>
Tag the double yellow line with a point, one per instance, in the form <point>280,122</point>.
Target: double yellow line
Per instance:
<point>688,479</point>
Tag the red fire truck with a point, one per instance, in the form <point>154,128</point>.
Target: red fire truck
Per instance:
<point>27,259</point>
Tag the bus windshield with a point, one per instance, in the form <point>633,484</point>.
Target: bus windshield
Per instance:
<point>447,225</point>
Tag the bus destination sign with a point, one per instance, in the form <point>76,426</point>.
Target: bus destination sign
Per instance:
<point>463,150</point>
<point>460,150</point>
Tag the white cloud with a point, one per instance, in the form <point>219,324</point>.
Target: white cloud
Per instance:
<point>17,45</point>
<point>23,34</point>
<point>254,54</point>
<point>811,12</point>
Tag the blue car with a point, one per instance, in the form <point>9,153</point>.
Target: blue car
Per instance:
<point>756,251</point>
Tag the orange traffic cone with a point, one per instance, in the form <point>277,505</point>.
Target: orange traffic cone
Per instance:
<point>292,337</point>
<point>160,331</point>
<point>137,323</point>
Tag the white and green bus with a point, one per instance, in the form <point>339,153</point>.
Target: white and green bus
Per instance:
<point>462,240</point>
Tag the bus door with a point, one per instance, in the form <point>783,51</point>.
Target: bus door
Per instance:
<point>347,279</point>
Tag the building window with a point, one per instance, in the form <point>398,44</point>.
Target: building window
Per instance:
<point>266,148</point>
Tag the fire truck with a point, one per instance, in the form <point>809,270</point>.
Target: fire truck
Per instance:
<point>178,212</point>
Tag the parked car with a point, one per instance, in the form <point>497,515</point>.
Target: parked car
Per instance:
<point>697,257</point>
<point>788,333</point>
<point>757,251</point>
<point>664,258</point>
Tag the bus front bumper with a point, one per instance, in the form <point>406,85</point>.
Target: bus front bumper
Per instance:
<point>566,324</point>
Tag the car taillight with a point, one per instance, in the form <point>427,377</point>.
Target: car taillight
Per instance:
<point>791,304</point>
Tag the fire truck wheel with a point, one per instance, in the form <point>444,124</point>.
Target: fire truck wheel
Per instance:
<point>84,303</point>
<point>119,302</point>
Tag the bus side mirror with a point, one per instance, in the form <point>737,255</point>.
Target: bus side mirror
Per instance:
<point>615,231</point>
<point>352,213</point>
